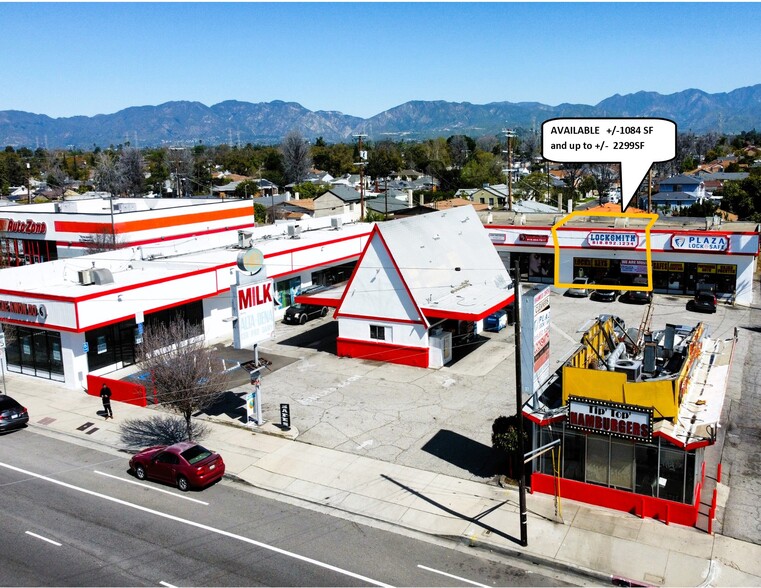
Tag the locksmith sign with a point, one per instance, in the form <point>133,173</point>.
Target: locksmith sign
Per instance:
<point>611,418</point>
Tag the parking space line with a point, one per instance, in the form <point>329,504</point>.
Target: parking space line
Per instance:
<point>152,488</point>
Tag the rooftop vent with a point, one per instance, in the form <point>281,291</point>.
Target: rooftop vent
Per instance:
<point>294,231</point>
<point>102,276</point>
<point>245,239</point>
<point>336,222</point>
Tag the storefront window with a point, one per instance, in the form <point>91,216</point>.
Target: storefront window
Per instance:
<point>646,457</point>
<point>597,460</point>
<point>573,456</point>
<point>622,464</point>
<point>34,352</point>
<point>671,475</point>
<point>286,291</point>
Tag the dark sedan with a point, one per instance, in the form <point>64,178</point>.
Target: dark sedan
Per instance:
<point>606,295</point>
<point>298,314</point>
<point>636,297</point>
<point>184,464</point>
<point>703,302</point>
<point>12,414</point>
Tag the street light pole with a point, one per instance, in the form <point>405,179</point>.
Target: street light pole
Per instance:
<point>519,405</point>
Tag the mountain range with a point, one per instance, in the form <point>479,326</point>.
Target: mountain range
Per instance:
<point>190,123</point>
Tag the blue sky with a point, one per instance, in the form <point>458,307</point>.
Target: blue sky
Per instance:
<point>364,58</point>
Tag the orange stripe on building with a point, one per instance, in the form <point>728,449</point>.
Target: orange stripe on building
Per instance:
<point>154,223</point>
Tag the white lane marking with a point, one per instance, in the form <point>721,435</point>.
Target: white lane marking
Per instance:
<point>452,576</point>
<point>190,523</point>
<point>152,488</point>
<point>167,584</point>
<point>43,538</point>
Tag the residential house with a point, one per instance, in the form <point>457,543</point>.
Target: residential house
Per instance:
<point>339,200</point>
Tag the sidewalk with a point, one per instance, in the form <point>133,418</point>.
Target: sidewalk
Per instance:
<point>600,543</point>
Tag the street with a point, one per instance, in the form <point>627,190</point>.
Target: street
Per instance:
<point>74,516</point>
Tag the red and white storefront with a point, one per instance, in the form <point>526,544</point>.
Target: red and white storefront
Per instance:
<point>84,315</point>
<point>34,233</point>
<point>420,283</point>
<point>681,257</point>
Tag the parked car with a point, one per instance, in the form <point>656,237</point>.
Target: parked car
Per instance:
<point>185,464</point>
<point>703,302</point>
<point>12,414</point>
<point>636,297</point>
<point>606,295</point>
<point>582,291</point>
<point>298,314</point>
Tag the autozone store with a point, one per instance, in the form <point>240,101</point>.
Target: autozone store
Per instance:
<point>35,233</point>
<point>682,256</point>
<point>72,317</point>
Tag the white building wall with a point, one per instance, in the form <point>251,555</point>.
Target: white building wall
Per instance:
<point>406,334</point>
<point>74,360</point>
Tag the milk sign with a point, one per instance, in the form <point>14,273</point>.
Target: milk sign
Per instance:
<point>699,242</point>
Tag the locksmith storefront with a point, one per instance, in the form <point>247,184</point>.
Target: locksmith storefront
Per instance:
<point>683,255</point>
<point>632,419</point>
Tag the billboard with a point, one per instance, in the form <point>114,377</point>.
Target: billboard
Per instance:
<point>535,339</point>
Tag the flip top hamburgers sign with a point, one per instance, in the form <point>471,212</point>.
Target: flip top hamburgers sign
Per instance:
<point>612,418</point>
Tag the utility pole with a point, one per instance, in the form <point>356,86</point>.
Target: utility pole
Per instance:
<point>650,190</point>
<point>361,165</point>
<point>28,183</point>
<point>519,405</point>
<point>508,135</point>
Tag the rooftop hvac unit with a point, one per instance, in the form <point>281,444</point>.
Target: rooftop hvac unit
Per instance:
<point>102,276</point>
<point>294,231</point>
<point>336,222</point>
<point>125,207</point>
<point>85,277</point>
<point>66,206</point>
<point>245,239</point>
<point>631,367</point>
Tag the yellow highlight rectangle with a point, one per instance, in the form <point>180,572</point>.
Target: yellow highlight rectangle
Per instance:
<point>648,253</point>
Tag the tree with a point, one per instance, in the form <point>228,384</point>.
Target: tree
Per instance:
<point>107,175</point>
<point>186,374</point>
<point>482,168</point>
<point>573,173</point>
<point>297,160</point>
<point>384,159</point>
<point>180,164</point>
<point>131,169</point>
<point>102,240</point>
<point>505,438</point>
<point>460,147</point>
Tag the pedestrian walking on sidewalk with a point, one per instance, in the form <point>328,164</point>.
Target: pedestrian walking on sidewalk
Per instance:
<point>105,396</point>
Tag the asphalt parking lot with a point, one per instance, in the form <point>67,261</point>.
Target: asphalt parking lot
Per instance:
<point>440,419</point>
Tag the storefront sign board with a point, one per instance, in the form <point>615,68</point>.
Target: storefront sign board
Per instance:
<point>535,339</point>
<point>611,418</point>
<point>254,313</point>
<point>682,242</point>
<point>532,238</point>
<point>611,239</point>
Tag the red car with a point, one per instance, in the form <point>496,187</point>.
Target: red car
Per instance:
<point>184,464</point>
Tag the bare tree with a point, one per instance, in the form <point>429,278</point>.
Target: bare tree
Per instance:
<point>605,174</point>
<point>107,174</point>
<point>297,160</point>
<point>180,163</point>
<point>102,240</point>
<point>187,375</point>
<point>131,169</point>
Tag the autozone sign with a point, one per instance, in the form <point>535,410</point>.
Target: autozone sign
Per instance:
<point>699,242</point>
<point>29,227</point>
<point>617,240</point>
